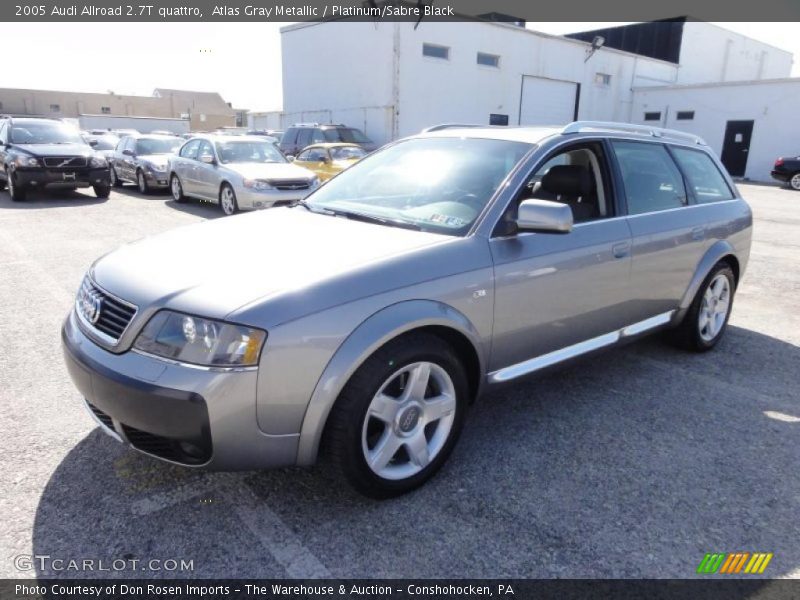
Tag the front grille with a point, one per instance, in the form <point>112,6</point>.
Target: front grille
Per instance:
<point>104,312</point>
<point>166,448</point>
<point>66,162</point>
<point>101,416</point>
<point>289,184</point>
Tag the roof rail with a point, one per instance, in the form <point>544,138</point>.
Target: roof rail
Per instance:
<point>449,126</point>
<point>611,127</point>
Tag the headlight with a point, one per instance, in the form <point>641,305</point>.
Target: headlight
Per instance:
<point>26,161</point>
<point>155,167</point>
<point>255,184</point>
<point>201,341</point>
<point>98,162</point>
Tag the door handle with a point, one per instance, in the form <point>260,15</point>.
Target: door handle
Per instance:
<point>698,233</point>
<point>621,250</point>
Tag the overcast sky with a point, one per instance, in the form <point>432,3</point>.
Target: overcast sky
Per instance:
<point>241,61</point>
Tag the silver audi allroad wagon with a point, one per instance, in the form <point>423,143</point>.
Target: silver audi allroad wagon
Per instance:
<point>359,324</point>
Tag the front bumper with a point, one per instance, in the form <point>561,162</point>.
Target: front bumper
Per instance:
<point>249,199</point>
<point>157,179</point>
<point>79,177</point>
<point>182,414</point>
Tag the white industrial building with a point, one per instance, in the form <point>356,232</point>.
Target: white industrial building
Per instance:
<point>392,79</point>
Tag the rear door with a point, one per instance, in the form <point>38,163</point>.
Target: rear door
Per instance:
<point>669,233</point>
<point>206,174</point>
<point>185,165</point>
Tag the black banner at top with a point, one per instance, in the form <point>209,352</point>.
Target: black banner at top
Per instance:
<point>394,10</point>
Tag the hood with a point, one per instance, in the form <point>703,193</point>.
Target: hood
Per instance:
<point>160,160</point>
<point>270,171</point>
<point>213,268</point>
<point>56,149</point>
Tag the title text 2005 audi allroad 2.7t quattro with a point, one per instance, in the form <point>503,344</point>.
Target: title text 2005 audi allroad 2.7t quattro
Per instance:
<point>362,322</point>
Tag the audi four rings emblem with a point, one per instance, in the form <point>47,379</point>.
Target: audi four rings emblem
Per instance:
<point>91,306</point>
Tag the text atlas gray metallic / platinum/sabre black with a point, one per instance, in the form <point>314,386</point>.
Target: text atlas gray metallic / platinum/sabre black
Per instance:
<point>361,322</point>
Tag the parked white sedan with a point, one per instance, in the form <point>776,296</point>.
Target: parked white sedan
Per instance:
<point>238,172</point>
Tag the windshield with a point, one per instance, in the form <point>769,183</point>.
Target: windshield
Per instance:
<point>106,142</point>
<point>248,151</point>
<point>434,184</point>
<point>157,145</point>
<point>347,153</point>
<point>345,134</point>
<point>44,132</point>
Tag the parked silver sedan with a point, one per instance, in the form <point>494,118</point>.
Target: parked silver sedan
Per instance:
<point>238,172</point>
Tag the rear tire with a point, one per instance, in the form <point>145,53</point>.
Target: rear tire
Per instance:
<point>177,189</point>
<point>17,193</point>
<point>387,436</point>
<point>707,318</point>
<point>102,191</point>
<point>794,182</point>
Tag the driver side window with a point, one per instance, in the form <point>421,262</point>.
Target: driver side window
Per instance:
<point>576,176</point>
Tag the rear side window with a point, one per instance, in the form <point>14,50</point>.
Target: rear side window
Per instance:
<point>318,136</point>
<point>290,136</point>
<point>651,178</point>
<point>304,138</point>
<point>704,177</point>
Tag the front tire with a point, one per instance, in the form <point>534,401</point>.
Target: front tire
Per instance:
<point>102,191</point>
<point>399,417</point>
<point>227,200</point>
<point>177,189</point>
<point>141,182</point>
<point>17,193</point>
<point>707,318</point>
<point>115,181</point>
<point>794,182</point>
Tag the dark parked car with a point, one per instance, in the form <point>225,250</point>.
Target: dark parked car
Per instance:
<point>103,144</point>
<point>36,153</point>
<point>142,159</point>
<point>788,171</point>
<point>304,134</point>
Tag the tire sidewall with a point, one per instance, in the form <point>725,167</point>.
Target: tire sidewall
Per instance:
<point>376,371</point>
<point>141,182</point>
<point>795,178</point>
<point>224,187</point>
<point>694,314</point>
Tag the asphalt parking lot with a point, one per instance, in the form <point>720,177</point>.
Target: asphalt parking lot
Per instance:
<point>633,464</point>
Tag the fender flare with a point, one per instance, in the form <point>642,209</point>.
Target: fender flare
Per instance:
<point>383,326</point>
<point>719,250</point>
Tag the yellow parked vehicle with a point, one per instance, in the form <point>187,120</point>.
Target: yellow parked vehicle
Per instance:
<point>327,160</point>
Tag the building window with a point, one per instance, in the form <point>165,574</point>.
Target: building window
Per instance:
<point>488,60</point>
<point>684,115</point>
<point>652,116</point>
<point>435,51</point>
<point>54,108</point>
<point>106,110</point>
<point>495,119</point>
<point>602,79</point>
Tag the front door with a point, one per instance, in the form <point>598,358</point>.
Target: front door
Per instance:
<point>553,290</point>
<point>736,147</point>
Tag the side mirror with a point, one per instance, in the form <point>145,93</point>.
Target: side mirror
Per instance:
<point>128,152</point>
<point>207,159</point>
<point>93,143</point>
<point>544,216</point>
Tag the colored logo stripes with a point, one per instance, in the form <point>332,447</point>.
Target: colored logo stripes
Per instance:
<point>735,562</point>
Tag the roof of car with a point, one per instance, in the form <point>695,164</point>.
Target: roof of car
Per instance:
<point>328,145</point>
<point>31,119</point>
<point>512,134</point>
<point>215,137</point>
<point>138,136</point>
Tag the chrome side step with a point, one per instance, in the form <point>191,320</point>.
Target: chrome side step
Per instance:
<point>590,345</point>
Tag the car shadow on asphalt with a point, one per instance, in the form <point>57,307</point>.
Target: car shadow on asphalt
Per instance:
<point>633,463</point>
<point>41,200</point>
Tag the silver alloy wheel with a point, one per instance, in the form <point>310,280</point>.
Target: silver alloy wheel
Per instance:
<point>795,181</point>
<point>142,184</point>
<point>113,175</point>
<point>715,307</point>
<point>227,201</point>
<point>10,185</point>
<point>176,188</point>
<point>409,420</point>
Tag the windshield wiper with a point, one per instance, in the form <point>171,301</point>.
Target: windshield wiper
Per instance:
<point>307,206</point>
<point>367,218</point>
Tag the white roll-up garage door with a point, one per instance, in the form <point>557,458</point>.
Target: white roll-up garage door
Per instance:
<point>547,101</point>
